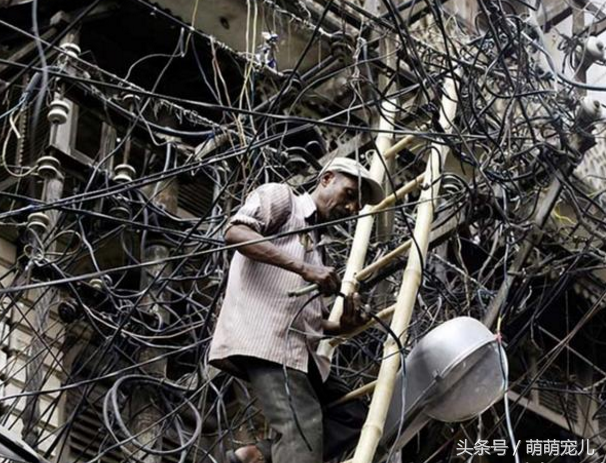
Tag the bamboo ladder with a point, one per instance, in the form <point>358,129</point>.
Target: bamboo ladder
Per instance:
<point>402,310</point>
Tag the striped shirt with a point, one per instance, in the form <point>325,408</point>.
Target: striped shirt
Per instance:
<point>257,318</point>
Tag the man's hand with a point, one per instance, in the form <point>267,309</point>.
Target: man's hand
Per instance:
<point>353,315</point>
<point>325,277</point>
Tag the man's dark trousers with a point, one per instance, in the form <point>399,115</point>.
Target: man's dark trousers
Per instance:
<point>329,431</point>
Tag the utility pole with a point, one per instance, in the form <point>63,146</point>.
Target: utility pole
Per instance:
<point>41,231</point>
<point>146,409</point>
<point>589,111</point>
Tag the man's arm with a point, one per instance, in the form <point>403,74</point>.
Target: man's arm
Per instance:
<point>267,253</point>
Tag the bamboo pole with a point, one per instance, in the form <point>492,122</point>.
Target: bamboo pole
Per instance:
<point>397,147</point>
<point>383,261</point>
<point>387,202</point>
<point>356,393</point>
<point>391,199</point>
<point>370,269</point>
<point>375,421</point>
<point>364,226</point>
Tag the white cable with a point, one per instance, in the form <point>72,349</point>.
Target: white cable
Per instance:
<point>5,147</point>
<point>510,428</point>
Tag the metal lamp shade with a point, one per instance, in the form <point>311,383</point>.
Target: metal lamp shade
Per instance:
<point>454,373</point>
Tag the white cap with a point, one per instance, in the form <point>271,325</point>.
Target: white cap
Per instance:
<point>355,169</point>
